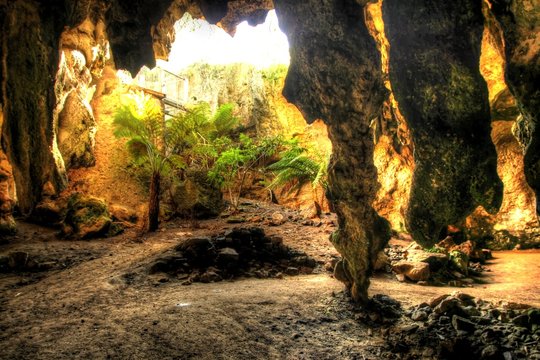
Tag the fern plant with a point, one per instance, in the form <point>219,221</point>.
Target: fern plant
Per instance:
<point>234,164</point>
<point>140,119</point>
<point>297,166</point>
<point>188,139</point>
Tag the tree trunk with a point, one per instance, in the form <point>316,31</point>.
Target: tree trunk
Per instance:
<point>153,204</point>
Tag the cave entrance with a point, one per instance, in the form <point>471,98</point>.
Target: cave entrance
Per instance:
<point>210,70</point>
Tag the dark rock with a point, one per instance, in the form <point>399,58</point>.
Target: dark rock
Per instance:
<point>199,252</point>
<point>210,276</point>
<point>18,260</point>
<point>461,324</point>
<point>419,315</point>
<point>292,271</point>
<point>521,320</point>
<point>490,352</point>
<point>447,306</point>
<point>227,258</point>
<point>4,263</point>
<point>437,300</point>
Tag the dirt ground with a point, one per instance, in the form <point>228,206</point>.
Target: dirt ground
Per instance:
<point>96,301</point>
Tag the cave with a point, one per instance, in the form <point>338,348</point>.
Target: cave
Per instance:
<point>148,210</point>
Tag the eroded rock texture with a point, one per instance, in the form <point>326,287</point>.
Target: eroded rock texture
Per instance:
<point>519,21</point>
<point>29,55</point>
<point>434,57</point>
<point>335,75</point>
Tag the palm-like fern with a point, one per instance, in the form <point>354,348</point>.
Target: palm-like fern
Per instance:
<point>140,119</point>
<point>186,139</point>
<point>297,166</point>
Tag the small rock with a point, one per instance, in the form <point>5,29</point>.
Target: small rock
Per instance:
<point>419,315</point>
<point>413,271</point>
<point>447,305</point>
<point>521,320</point>
<point>437,300</point>
<point>227,257</point>
<point>490,352</point>
<point>487,254</point>
<point>277,219</point>
<point>235,220</point>
<point>461,324</point>
<point>210,276</point>
<point>400,277</point>
<point>292,271</point>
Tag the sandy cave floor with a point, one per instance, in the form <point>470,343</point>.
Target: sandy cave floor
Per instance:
<point>98,306</point>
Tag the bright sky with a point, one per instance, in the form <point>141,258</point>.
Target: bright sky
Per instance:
<point>198,41</point>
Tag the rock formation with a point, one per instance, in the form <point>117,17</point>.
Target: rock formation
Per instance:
<point>519,25</point>
<point>335,75</point>
<point>434,57</point>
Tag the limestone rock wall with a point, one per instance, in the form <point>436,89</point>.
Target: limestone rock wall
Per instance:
<point>434,57</point>
<point>335,75</point>
<point>519,26</point>
<point>84,53</point>
<point>29,56</point>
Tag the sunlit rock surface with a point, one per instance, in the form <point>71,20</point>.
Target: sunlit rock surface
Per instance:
<point>434,56</point>
<point>519,25</point>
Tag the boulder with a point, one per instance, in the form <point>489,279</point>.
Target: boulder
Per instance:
<point>50,212</point>
<point>435,260</point>
<point>122,213</point>
<point>87,217</point>
<point>415,271</point>
<point>460,261</point>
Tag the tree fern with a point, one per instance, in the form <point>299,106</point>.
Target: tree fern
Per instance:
<point>297,166</point>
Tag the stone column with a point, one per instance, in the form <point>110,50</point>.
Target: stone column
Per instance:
<point>335,74</point>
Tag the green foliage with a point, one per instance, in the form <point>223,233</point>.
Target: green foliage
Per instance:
<point>233,164</point>
<point>299,165</point>
<point>192,138</point>
<point>140,119</point>
<point>274,75</point>
<point>436,249</point>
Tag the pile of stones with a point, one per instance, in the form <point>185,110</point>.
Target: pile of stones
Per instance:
<point>459,325</point>
<point>446,263</point>
<point>239,252</point>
